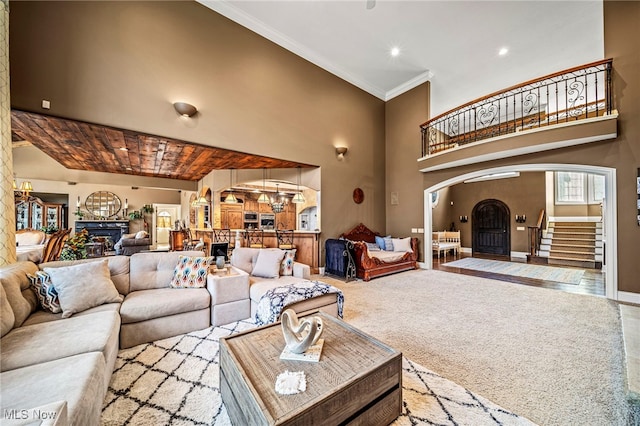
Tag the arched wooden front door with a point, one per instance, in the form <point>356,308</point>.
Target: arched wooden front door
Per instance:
<point>490,228</point>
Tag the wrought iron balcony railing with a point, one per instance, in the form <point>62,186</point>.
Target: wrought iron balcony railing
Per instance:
<point>574,94</point>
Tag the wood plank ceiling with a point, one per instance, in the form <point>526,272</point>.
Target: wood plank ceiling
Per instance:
<point>94,147</point>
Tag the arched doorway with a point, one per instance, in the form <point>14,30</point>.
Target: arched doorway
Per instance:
<point>610,210</point>
<point>491,233</point>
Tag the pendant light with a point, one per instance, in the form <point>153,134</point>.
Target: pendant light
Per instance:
<point>231,199</point>
<point>263,199</point>
<point>200,198</point>
<point>299,197</point>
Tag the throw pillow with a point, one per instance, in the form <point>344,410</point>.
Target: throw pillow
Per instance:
<point>388,243</point>
<point>83,286</point>
<point>191,272</point>
<point>129,235</point>
<point>372,247</point>
<point>47,294</point>
<point>402,244</point>
<point>286,266</point>
<point>268,263</point>
<point>141,234</point>
<point>380,242</point>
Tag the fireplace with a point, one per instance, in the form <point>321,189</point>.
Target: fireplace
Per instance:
<point>112,230</point>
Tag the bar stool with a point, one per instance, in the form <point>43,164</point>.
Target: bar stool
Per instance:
<point>254,238</point>
<point>285,239</point>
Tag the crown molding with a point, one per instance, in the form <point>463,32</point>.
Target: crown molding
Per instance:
<point>228,10</point>
<point>408,85</point>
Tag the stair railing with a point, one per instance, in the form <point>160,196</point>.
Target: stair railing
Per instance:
<point>535,234</point>
<point>574,94</point>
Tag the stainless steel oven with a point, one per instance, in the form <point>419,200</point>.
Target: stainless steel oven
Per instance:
<point>267,221</point>
<point>251,217</point>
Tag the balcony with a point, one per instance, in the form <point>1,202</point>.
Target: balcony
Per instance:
<point>567,108</point>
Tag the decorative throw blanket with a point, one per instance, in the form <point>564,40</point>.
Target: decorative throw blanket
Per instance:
<point>273,301</point>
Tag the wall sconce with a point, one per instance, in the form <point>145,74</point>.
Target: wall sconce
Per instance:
<point>341,151</point>
<point>521,218</point>
<point>464,219</point>
<point>185,109</point>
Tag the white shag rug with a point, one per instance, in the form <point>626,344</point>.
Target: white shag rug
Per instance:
<point>175,382</point>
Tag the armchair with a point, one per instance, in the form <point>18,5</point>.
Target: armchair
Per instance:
<point>132,243</point>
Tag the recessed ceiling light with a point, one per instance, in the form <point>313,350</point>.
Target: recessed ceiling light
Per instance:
<point>503,51</point>
<point>395,51</point>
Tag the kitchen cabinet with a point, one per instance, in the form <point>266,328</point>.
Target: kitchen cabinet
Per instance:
<point>231,216</point>
<point>250,205</point>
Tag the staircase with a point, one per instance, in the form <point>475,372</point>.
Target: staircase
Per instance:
<point>573,244</point>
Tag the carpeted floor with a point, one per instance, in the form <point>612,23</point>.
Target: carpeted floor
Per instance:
<point>553,357</point>
<point>547,273</point>
<point>175,381</point>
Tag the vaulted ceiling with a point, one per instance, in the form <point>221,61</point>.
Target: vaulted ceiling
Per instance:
<point>84,146</point>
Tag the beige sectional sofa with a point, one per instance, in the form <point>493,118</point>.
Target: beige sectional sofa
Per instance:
<point>45,359</point>
<point>65,364</point>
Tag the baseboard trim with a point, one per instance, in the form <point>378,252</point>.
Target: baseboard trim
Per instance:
<point>627,296</point>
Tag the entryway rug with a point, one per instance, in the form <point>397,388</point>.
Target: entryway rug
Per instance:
<point>547,273</point>
<point>175,382</point>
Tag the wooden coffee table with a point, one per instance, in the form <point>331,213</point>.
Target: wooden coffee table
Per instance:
<point>357,381</point>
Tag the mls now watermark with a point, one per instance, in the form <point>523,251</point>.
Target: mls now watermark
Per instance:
<point>31,414</point>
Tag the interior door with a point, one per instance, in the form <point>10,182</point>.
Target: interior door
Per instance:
<point>490,227</point>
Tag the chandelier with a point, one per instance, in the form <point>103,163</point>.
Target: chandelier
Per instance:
<point>277,205</point>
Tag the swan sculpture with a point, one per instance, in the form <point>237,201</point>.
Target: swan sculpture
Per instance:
<point>300,335</point>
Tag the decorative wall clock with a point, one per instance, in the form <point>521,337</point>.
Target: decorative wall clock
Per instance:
<point>358,195</point>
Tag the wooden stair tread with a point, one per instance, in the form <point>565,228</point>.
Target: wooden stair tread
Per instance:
<point>556,257</point>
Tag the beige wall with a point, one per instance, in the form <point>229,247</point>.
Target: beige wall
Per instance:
<point>403,116</point>
<point>442,215</point>
<point>622,43</point>
<point>522,195</point>
<point>124,63</point>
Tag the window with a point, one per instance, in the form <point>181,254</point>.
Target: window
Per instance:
<point>579,188</point>
<point>596,189</point>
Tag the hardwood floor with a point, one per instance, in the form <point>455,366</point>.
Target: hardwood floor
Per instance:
<point>593,280</point>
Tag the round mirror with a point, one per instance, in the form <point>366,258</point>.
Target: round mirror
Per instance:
<point>103,204</point>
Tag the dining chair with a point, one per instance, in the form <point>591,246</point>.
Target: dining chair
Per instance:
<point>55,244</point>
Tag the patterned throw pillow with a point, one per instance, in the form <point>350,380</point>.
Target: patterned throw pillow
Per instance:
<point>388,243</point>
<point>380,242</point>
<point>286,267</point>
<point>47,295</point>
<point>372,247</point>
<point>191,272</point>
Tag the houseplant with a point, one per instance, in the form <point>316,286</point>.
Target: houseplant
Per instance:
<point>74,247</point>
